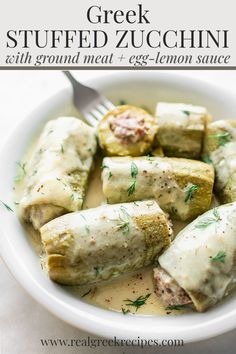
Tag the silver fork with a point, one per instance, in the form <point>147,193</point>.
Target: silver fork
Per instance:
<point>88,101</point>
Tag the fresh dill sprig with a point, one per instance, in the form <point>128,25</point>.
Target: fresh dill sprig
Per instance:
<point>173,210</point>
<point>134,170</point>
<point>60,180</point>
<point>97,271</point>
<point>177,307</point>
<point>189,193</point>
<point>88,292</point>
<point>124,221</point>
<point>124,311</point>
<point>22,166</point>
<point>133,173</point>
<point>140,301</point>
<point>109,173</point>
<point>104,166</point>
<point>206,158</point>
<point>150,158</point>
<point>223,138</point>
<point>62,149</point>
<point>86,225</point>
<point>6,206</point>
<point>132,187</point>
<point>202,224</point>
<point>220,257</point>
<point>123,102</point>
<point>188,113</point>
<point>34,173</point>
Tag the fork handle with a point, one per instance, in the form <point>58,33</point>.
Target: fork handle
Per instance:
<point>71,78</point>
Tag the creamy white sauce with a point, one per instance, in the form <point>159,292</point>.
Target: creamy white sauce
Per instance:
<point>180,115</point>
<point>65,148</point>
<point>155,179</point>
<point>189,260</point>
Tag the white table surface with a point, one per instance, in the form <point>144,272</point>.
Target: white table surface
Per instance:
<point>23,322</point>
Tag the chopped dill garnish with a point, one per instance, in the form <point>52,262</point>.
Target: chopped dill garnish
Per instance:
<point>202,224</point>
<point>132,187</point>
<point>177,307</point>
<point>223,138</point>
<point>64,184</point>
<point>206,158</point>
<point>124,311</point>
<point>189,193</point>
<point>88,292</point>
<point>123,102</point>
<point>124,221</point>
<point>109,173</point>
<point>104,166</point>
<point>150,158</point>
<point>188,113</point>
<point>62,149</point>
<point>34,173</point>
<point>220,257</point>
<point>22,166</point>
<point>97,271</point>
<point>134,170</point>
<point>133,173</point>
<point>6,206</point>
<point>173,210</point>
<point>86,226</point>
<point>140,301</point>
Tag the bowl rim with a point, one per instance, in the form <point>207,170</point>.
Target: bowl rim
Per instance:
<point>90,318</point>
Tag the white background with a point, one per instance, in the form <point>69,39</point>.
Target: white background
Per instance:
<point>22,321</point>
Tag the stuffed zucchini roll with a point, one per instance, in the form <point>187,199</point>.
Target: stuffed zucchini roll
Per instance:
<point>98,244</point>
<point>220,150</point>
<point>181,129</point>
<point>199,267</point>
<point>182,187</point>
<point>58,171</point>
<point>127,130</point>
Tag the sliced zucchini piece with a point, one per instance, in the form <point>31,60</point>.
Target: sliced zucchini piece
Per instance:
<point>127,131</point>
<point>220,150</point>
<point>181,129</point>
<point>57,173</point>
<point>182,187</point>
<point>101,243</point>
<point>201,259</point>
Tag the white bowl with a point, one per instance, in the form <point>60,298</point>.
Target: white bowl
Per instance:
<point>136,87</point>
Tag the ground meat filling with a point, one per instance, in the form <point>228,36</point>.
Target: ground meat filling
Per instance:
<point>168,290</point>
<point>129,127</point>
